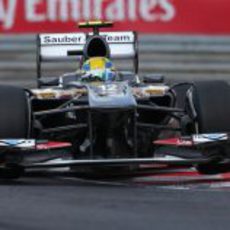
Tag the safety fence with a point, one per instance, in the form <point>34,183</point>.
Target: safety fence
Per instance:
<point>176,57</point>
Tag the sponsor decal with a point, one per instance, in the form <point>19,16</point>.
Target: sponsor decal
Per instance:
<point>17,143</point>
<point>52,145</point>
<point>121,38</point>
<point>174,142</point>
<point>212,137</point>
<point>68,39</point>
<point>62,39</point>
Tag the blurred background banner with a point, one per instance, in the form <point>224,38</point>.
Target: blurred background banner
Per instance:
<point>209,17</point>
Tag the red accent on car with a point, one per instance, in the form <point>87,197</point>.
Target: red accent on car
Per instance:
<point>174,142</point>
<point>52,145</point>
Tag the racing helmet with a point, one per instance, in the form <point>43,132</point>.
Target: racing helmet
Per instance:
<point>98,69</point>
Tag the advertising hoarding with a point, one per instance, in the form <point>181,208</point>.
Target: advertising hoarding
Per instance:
<point>146,16</point>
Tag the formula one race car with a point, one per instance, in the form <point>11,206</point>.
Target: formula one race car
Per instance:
<point>101,117</point>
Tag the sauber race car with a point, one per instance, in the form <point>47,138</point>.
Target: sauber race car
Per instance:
<point>100,117</point>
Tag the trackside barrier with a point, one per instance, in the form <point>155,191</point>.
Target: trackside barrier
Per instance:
<point>175,56</point>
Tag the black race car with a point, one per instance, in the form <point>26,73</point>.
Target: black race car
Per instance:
<point>101,117</point>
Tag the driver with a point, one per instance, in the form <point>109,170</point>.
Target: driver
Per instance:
<point>98,69</point>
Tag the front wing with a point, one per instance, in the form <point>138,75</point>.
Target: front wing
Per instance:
<point>34,154</point>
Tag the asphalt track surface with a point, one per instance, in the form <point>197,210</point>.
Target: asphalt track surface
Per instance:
<point>67,202</point>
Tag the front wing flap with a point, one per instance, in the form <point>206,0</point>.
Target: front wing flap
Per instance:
<point>33,148</point>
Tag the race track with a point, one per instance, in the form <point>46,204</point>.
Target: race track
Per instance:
<point>58,202</point>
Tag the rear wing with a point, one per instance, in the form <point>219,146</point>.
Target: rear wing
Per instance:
<point>61,47</point>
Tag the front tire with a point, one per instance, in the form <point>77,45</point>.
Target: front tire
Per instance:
<point>15,123</point>
<point>15,113</point>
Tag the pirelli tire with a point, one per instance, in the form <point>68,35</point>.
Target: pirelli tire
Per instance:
<point>210,108</point>
<point>210,102</point>
<point>15,113</point>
